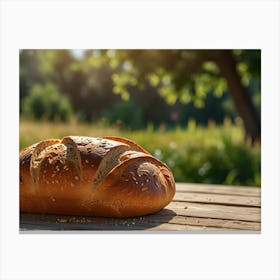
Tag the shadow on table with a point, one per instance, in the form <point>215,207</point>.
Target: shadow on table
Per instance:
<point>47,222</point>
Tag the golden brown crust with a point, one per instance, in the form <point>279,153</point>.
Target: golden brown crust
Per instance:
<point>109,176</point>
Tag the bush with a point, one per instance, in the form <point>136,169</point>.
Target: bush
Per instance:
<point>46,102</point>
<point>126,114</point>
<point>229,164</point>
<point>212,159</point>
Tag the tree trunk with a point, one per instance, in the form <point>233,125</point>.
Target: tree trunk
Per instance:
<point>239,94</point>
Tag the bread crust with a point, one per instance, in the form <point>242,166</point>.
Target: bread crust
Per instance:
<point>108,176</point>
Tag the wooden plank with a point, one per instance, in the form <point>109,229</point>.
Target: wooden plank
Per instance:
<point>251,214</point>
<point>218,199</point>
<point>48,222</point>
<point>60,222</point>
<point>54,222</point>
<point>206,222</point>
<point>182,227</point>
<point>218,189</point>
<point>106,227</point>
<point>177,224</point>
<point>218,223</point>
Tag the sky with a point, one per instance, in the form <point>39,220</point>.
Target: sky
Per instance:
<point>78,53</point>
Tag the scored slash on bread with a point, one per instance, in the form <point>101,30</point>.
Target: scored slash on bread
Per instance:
<point>108,176</point>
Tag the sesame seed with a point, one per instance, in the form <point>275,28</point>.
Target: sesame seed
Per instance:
<point>76,178</point>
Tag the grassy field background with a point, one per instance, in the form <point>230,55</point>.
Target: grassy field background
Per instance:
<point>216,154</point>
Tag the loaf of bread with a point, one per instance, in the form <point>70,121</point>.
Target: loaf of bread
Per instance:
<point>108,176</point>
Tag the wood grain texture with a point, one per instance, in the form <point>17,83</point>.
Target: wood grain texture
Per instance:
<point>215,211</point>
<point>195,207</point>
<point>219,189</point>
<point>217,199</point>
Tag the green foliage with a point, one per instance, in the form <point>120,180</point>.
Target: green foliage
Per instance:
<point>46,102</point>
<point>252,61</point>
<point>121,81</point>
<point>216,155</point>
<point>226,163</point>
<point>188,77</point>
<point>125,114</point>
<point>175,72</point>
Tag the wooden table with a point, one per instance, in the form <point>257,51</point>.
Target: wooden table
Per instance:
<point>195,207</point>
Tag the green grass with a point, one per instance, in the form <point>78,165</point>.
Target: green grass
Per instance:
<point>216,154</point>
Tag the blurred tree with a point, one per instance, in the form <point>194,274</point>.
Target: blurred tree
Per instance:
<point>188,76</point>
<point>46,102</point>
<point>88,88</point>
<point>29,71</point>
<point>126,114</point>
